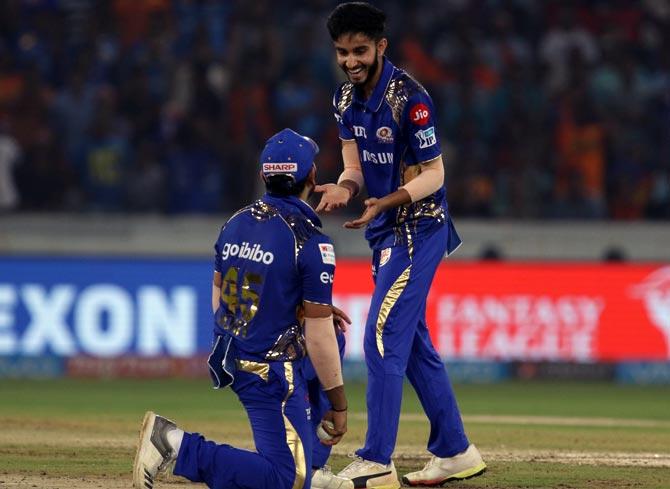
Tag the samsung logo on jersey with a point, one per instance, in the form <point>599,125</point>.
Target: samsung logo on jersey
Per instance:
<point>377,158</point>
<point>246,252</point>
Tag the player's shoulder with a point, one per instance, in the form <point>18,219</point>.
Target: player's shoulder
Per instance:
<point>405,93</point>
<point>258,210</point>
<point>306,233</point>
<point>303,228</point>
<point>343,97</point>
<point>402,90</point>
<point>404,85</point>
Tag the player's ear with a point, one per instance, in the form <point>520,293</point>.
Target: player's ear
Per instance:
<point>311,178</point>
<point>382,44</point>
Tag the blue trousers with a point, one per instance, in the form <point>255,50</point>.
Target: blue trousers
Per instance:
<point>319,404</point>
<point>275,397</point>
<point>397,343</point>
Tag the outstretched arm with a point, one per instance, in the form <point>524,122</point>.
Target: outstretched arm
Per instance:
<point>428,181</point>
<point>348,185</point>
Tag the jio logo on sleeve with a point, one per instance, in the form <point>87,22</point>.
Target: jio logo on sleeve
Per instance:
<point>419,114</point>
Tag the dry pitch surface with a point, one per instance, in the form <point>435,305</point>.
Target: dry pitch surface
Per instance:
<point>72,435</point>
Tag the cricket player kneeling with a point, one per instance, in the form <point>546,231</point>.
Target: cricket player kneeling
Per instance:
<point>271,306</point>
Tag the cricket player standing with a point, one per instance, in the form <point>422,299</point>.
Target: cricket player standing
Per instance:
<point>273,273</point>
<point>390,143</point>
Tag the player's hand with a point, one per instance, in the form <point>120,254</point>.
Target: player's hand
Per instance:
<point>340,319</point>
<point>339,420</point>
<point>373,207</point>
<point>334,196</point>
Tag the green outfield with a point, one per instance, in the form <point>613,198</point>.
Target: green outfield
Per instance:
<point>81,433</point>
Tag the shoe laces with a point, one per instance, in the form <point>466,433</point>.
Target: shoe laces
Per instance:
<point>432,461</point>
<point>358,463</point>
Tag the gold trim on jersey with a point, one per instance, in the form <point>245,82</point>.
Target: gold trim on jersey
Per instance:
<point>396,97</point>
<point>292,438</point>
<point>410,240</point>
<point>289,346</point>
<point>388,303</point>
<point>302,231</point>
<point>398,93</point>
<point>262,211</point>
<point>258,368</point>
<point>346,97</point>
<point>407,217</point>
<point>426,207</point>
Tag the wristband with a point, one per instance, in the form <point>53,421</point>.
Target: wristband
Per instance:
<point>339,410</point>
<point>351,192</point>
<point>354,176</point>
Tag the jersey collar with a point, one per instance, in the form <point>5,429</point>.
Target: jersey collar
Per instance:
<point>293,202</point>
<point>377,97</point>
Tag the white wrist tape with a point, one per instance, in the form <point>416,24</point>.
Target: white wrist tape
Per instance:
<point>352,165</point>
<point>323,351</point>
<point>427,182</point>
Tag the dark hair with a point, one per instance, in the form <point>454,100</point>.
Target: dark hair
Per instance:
<point>284,185</point>
<point>354,18</point>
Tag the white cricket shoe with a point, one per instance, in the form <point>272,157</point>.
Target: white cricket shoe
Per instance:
<point>154,452</point>
<point>323,478</point>
<point>440,470</point>
<point>366,474</point>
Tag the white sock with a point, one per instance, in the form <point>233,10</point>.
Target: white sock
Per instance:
<point>174,438</point>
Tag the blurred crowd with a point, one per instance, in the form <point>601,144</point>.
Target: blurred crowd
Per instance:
<point>547,109</point>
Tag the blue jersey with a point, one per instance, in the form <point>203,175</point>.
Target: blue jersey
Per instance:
<point>395,131</point>
<point>272,256</point>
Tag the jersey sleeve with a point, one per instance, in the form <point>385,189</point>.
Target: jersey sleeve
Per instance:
<point>316,265</point>
<point>418,123</point>
<point>345,131</point>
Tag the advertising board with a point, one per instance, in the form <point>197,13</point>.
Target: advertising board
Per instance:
<point>572,312</point>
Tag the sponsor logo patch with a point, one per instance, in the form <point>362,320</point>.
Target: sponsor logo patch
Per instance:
<point>247,251</point>
<point>419,114</point>
<point>384,257</point>
<point>327,253</point>
<point>385,135</point>
<point>384,158</point>
<point>280,167</point>
<point>426,137</point>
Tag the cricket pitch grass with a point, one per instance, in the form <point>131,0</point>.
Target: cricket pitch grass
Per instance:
<point>75,434</point>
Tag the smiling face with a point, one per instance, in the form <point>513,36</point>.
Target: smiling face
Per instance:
<point>360,57</point>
